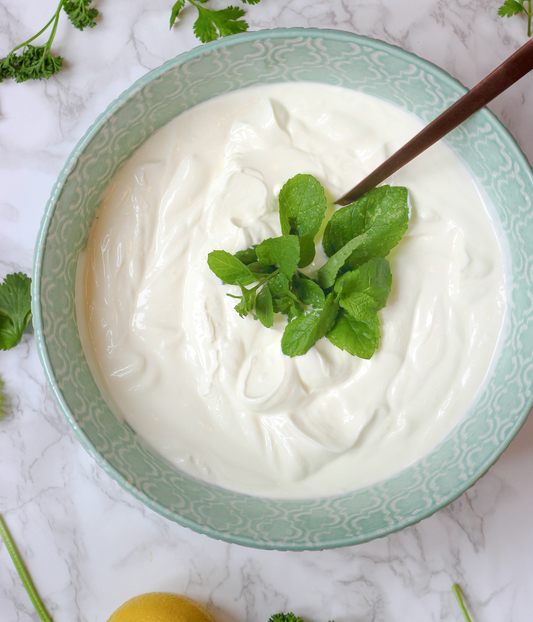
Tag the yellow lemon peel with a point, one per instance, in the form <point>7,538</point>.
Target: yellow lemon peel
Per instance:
<point>161,607</point>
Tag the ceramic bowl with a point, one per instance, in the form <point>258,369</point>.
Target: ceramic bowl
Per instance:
<point>243,60</point>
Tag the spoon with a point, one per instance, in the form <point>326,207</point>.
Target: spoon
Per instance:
<point>504,76</point>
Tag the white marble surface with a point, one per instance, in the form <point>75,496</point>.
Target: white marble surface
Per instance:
<point>88,544</point>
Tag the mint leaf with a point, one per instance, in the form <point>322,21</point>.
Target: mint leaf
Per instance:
<point>309,292</point>
<point>383,213</point>
<point>307,250</point>
<point>263,307</point>
<point>279,286</point>
<point>360,306</point>
<point>378,220</point>
<point>247,301</point>
<point>373,278</point>
<point>302,205</point>
<point>283,252</point>
<point>15,309</point>
<point>229,269</point>
<point>247,256</point>
<point>259,268</point>
<point>304,331</point>
<point>358,338</point>
<point>510,8</point>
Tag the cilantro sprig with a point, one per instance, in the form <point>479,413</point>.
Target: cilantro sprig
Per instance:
<point>211,24</point>
<point>38,62</point>
<point>342,298</point>
<point>515,7</point>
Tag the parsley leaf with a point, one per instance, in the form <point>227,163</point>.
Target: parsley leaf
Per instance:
<point>80,14</point>
<point>37,62</point>
<point>285,617</point>
<point>15,309</point>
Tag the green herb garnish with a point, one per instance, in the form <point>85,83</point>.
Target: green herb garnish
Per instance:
<point>37,62</point>
<point>15,313</point>
<point>342,301</point>
<point>515,7</point>
<point>456,590</point>
<point>15,309</point>
<point>23,573</point>
<point>211,24</point>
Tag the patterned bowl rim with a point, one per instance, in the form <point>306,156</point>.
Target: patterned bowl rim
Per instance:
<point>340,36</point>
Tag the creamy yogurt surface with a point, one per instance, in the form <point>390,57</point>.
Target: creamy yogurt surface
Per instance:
<point>212,392</point>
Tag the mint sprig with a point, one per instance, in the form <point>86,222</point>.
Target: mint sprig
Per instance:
<point>340,300</point>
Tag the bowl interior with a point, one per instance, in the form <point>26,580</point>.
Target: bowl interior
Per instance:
<point>258,58</point>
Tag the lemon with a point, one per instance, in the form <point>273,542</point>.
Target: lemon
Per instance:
<point>161,607</point>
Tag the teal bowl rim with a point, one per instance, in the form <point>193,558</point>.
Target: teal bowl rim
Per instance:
<point>40,246</point>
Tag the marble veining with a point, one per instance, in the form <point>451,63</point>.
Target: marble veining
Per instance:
<point>88,544</point>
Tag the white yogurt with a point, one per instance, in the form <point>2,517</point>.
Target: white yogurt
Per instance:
<point>213,393</point>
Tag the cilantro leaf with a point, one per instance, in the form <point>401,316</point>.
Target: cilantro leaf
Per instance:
<point>510,8</point>
<point>359,338</point>
<point>80,14</point>
<point>514,7</point>
<point>263,307</point>
<point>212,24</point>
<point>304,331</point>
<point>230,269</point>
<point>15,309</point>
<point>250,1</point>
<point>283,252</point>
<point>175,10</point>
<point>302,205</point>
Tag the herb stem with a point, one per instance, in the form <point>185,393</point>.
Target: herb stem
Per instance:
<point>23,573</point>
<point>529,13</point>
<point>456,590</point>
<point>55,17</point>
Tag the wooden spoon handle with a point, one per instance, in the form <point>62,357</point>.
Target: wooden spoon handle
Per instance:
<point>509,72</point>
